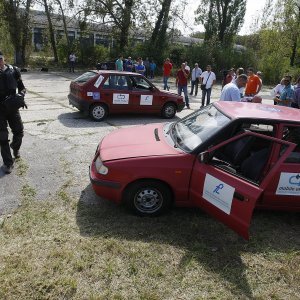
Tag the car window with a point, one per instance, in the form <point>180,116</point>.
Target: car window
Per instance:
<point>292,134</point>
<point>139,83</point>
<point>116,82</point>
<point>245,157</point>
<point>191,132</point>
<point>85,77</point>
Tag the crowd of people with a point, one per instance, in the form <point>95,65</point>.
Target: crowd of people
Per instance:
<point>237,84</point>
<point>145,67</point>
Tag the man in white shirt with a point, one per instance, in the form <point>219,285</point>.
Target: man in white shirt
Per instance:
<point>207,80</point>
<point>231,91</point>
<point>196,72</point>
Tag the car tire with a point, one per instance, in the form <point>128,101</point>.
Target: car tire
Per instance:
<point>168,111</point>
<point>148,198</point>
<point>98,112</point>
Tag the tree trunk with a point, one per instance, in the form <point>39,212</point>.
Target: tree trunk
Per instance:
<point>25,30</point>
<point>65,23</point>
<point>126,24</point>
<point>51,31</point>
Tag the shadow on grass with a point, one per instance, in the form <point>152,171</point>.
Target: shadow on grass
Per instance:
<point>216,247</point>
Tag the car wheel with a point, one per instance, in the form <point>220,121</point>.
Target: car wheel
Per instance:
<point>98,112</point>
<point>148,198</point>
<point>168,111</point>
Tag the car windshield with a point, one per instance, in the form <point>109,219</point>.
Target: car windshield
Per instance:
<point>85,77</point>
<point>195,129</point>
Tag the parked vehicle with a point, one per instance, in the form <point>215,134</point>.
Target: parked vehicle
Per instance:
<point>101,93</point>
<point>227,158</point>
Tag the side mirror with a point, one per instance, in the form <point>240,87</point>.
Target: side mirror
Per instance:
<point>152,88</point>
<point>204,157</point>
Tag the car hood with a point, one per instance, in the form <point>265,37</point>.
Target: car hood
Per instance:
<point>168,93</point>
<point>137,141</point>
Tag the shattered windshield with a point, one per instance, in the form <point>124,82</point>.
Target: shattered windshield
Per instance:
<point>195,129</point>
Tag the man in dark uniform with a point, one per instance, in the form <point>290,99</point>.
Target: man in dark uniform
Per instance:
<point>10,80</point>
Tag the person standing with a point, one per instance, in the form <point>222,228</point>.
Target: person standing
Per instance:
<point>196,73</point>
<point>146,63</point>
<point>231,91</point>
<point>140,68</point>
<point>287,94</point>
<point>10,81</point>
<point>129,64</point>
<point>119,63</point>
<point>207,80</point>
<point>296,100</point>
<point>72,60</point>
<point>182,82</point>
<point>253,85</point>
<point>167,68</point>
<point>152,69</point>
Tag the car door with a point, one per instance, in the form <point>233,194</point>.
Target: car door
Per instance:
<point>115,93</point>
<point>229,190</point>
<point>283,192</point>
<point>144,97</point>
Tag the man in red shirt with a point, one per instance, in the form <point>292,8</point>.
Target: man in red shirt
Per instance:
<point>253,84</point>
<point>182,83</point>
<point>167,68</point>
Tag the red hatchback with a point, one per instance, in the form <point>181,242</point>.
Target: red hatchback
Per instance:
<point>101,93</point>
<point>227,158</point>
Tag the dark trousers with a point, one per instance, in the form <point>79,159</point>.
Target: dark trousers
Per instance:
<point>207,93</point>
<point>194,84</point>
<point>15,123</point>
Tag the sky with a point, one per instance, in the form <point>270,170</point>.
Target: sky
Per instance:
<point>253,8</point>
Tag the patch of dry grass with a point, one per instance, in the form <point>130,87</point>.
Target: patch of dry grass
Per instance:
<point>67,249</point>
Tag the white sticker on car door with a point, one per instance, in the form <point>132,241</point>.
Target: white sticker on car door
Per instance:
<point>120,98</point>
<point>218,193</point>
<point>289,184</point>
<point>146,100</point>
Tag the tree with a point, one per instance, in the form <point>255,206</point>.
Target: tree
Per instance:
<point>221,18</point>
<point>118,13</point>
<point>51,30</point>
<point>17,19</point>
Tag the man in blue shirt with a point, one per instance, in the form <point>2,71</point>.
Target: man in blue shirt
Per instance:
<point>140,68</point>
<point>231,91</point>
<point>287,94</point>
<point>129,65</point>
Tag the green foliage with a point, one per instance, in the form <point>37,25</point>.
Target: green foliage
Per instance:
<point>221,19</point>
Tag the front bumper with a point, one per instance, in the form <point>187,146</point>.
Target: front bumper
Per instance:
<point>107,189</point>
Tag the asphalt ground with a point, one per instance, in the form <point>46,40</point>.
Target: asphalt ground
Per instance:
<point>59,141</point>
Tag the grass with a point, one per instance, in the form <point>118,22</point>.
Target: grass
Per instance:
<point>68,249</point>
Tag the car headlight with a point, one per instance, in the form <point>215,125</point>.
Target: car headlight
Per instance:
<point>101,169</point>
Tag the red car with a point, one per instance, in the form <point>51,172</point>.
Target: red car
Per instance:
<point>227,158</point>
<point>101,93</point>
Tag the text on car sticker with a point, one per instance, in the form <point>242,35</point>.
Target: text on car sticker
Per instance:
<point>120,98</point>
<point>89,93</point>
<point>289,184</point>
<point>98,82</point>
<point>96,96</point>
<point>146,100</point>
<point>218,193</point>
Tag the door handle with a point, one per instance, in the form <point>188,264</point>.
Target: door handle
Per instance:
<point>239,197</point>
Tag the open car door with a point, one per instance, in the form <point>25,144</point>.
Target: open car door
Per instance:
<point>229,178</point>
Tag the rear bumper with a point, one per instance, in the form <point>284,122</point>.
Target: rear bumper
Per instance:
<point>80,104</point>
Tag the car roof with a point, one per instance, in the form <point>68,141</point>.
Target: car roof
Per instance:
<point>237,110</point>
<point>116,72</point>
